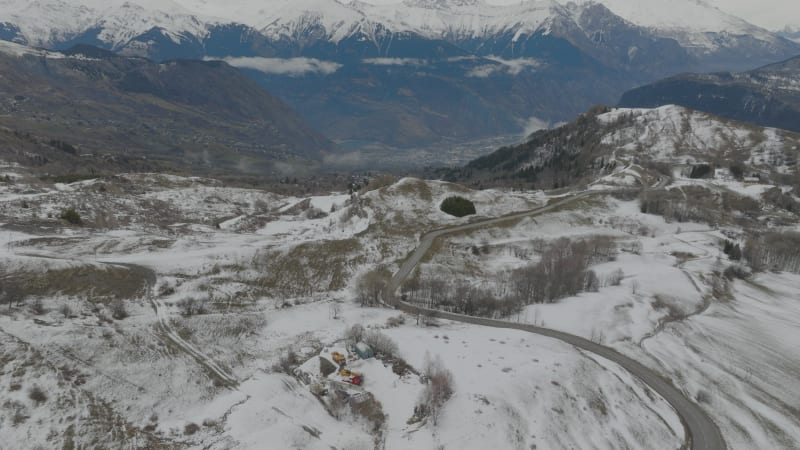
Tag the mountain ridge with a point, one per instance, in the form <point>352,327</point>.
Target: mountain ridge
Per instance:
<point>767,96</point>
<point>182,114</point>
<point>118,25</point>
<point>598,141</point>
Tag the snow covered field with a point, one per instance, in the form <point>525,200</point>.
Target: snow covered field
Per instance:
<point>161,378</point>
<point>734,354</point>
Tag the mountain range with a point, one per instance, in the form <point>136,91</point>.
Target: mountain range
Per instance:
<point>767,96</point>
<point>88,109</point>
<point>420,72</point>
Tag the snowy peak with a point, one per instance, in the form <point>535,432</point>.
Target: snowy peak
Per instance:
<point>310,19</point>
<point>443,4</point>
<point>679,18</point>
<point>48,22</point>
<point>706,32</point>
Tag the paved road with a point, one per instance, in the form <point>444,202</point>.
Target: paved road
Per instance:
<point>701,432</point>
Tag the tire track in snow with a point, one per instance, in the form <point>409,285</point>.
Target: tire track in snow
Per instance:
<point>219,374</point>
<point>163,325</point>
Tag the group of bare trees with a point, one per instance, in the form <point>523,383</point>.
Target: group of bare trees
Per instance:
<point>562,271</point>
<point>690,203</point>
<point>774,251</point>
<point>371,285</point>
<point>438,389</point>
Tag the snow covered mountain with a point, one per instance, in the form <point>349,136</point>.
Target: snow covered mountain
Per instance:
<point>416,72</point>
<point>709,34</point>
<point>603,138</point>
<point>768,96</point>
<point>793,34</point>
<point>106,110</point>
<point>704,31</point>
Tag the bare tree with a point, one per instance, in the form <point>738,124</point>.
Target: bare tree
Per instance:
<point>381,343</point>
<point>370,287</point>
<point>335,310</point>
<point>592,282</point>
<point>191,306</point>
<point>616,277</point>
<point>118,309</point>
<point>65,310</point>
<point>440,387</point>
<point>354,333</point>
<point>11,294</point>
<point>37,307</point>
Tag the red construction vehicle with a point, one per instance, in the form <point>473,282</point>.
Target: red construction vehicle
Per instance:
<point>352,377</point>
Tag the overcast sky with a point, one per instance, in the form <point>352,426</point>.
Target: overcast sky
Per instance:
<point>770,14</point>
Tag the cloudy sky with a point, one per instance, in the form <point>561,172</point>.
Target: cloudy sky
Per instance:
<point>771,14</point>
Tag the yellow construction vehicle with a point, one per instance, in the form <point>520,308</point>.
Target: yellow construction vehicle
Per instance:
<point>352,377</point>
<point>338,358</point>
<point>348,373</point>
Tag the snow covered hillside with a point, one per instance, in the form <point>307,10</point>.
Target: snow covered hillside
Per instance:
<point>159,313</point>
<point>666,297</point>
<point>603,139</point>
<point>669,133</point>
<point>182,313</point>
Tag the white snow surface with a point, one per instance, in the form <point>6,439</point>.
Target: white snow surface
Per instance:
<point>513,389</point>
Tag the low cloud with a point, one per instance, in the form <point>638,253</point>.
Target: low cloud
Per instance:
<point>507,66</point>
<point>293,67</point>
<point>395,61</point>
<point>534,124</point>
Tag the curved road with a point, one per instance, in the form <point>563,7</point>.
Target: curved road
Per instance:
<point>701,432</point>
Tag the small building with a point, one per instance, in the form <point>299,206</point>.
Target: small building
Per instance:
<point>364,351</point>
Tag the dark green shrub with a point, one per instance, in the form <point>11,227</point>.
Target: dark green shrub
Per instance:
<point>71,216</point>
<point>737,171</point>
<point>702,171</point>
<point>734,251</point>
<point>458,206</point>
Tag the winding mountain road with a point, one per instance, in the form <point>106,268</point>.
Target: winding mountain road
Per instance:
<point>700,430</point>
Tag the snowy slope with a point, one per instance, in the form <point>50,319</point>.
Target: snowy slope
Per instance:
<point>44,22</point>
<point>668,134</point>
<point>672,133</point>
<point>463,19</point>
<point>693,23</point>
<point>689,15</point>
